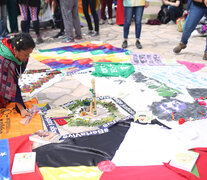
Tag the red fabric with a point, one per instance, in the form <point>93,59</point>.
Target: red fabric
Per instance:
<point>93,46</point>
<point>108,46</point>
<point>8,45</point>
<point>18,145</point>
<point>46,61</point>
<point>78,46</point>
<point>158,172</point>
<point>85,61</point>
<point>61,121</point>
<point>201,164</point>
<point>120,13</point>
<point>66,61</point>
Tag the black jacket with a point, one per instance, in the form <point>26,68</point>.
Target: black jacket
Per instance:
<point>32,3</point>
<point>2,2</point>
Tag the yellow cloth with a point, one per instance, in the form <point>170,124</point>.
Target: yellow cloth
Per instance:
<point>71,173</point>
<point>10,125</point>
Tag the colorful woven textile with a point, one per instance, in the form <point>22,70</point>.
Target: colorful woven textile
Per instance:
<point>81,56</point>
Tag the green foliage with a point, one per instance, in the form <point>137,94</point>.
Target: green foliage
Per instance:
<point>86,122</point>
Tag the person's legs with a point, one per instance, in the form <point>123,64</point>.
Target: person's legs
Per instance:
<point>3,21</point>
<point>138,20</point>
<point>85,4</point>
<point>175,13</point>
<point>109,5</point>
<point>128,12</point>
<point>76,20</point>
<point>138,24</point>
<point>205,52</point>
<point>12,15</point>
<point>103,10</point>
<point>66,9</point>
<point>127,21</point>
<point>24,15</point>
<point>196,13</point>
<point>95,15</point>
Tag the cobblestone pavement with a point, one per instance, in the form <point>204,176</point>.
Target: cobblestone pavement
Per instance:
<point>160,39</point>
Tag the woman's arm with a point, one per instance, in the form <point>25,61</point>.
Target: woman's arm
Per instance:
<point>202,1</point>
<point>168,3</point>
<point>22,110</point>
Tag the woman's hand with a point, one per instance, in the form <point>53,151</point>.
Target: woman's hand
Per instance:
<point>205,2</point>
<point>146,4</point>
<point>24,113</point>
<point>166,2</point>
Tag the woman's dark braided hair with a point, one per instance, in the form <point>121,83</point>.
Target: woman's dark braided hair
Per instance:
<point>22,41</point>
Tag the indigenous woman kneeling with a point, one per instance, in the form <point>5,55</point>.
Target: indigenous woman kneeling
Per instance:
<point>14,55</point>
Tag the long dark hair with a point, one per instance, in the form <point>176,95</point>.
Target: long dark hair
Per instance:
<point>22,41</point>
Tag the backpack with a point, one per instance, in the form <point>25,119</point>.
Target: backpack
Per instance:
<point>164,15</point>
<point>181,21</point>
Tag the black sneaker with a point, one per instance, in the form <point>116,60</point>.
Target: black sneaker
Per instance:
<point>205,56</point>
<point>39,40</point>
<point>96,33</point>
<point>78,37</point>
<point>124,44</point>
<point>68,40</point>
<point>59,35</point>
<point>90,32</point>
<point>138,44</point>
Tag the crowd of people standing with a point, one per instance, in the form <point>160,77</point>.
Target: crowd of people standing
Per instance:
<point>69,17</point>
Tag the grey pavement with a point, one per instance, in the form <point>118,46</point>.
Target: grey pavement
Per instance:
<point>160,39</point>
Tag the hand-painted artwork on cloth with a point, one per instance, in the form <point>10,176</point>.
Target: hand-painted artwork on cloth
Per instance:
<point>167,108</point>
<point>161,88</point>
<point>77,113</point>
<point>177,77</point>
<point>146,59</point>
<point>10,125</point>
<point>80,56</point>
<point>32,81</point>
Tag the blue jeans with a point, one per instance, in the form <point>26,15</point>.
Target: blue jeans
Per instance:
<point>129,12</point>
<point>195,15</point>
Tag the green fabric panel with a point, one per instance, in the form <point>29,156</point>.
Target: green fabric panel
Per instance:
<point>103,69</point>
<point>43,50</point>
<point>195,171</point>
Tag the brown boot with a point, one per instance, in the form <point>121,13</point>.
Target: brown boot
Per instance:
<point>205,55</point>
<point>179,47</point>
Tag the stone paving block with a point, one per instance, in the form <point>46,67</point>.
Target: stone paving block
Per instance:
<point>68,83</point>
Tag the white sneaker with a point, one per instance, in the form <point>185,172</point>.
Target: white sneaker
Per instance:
<point>110,21</point>
<point>102,22</point>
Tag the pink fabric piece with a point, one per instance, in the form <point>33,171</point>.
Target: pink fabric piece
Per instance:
<point>192,66</point>
<point>106,166</point>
